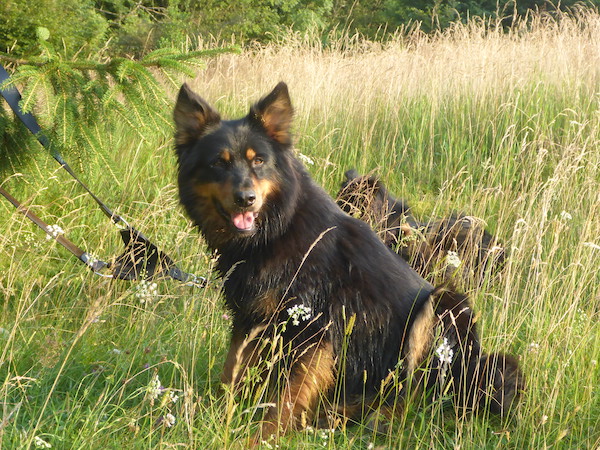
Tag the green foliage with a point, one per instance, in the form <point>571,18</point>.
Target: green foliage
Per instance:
<point>251,19</point>
<point>371,17</point>
<point>72,24</point>
<point>70,97</point>
<point>134,28</point>
<point>432,14</point>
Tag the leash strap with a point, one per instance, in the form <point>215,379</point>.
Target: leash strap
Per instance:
<point>13,97</point>
<point>140,256</point>
<point>93,263</point>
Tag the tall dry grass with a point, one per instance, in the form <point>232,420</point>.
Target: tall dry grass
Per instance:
<point>476,59</point>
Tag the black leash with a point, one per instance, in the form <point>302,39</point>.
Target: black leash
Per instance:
<point>13,98</point>
<point>141,258</point>
<point>93,263</point>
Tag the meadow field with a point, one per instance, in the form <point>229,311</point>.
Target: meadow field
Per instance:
<point>500,125</point>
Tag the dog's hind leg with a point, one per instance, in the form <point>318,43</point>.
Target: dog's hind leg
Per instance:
<point>477,380</point>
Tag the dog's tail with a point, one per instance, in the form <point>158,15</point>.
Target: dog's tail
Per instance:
<point>458,365</point>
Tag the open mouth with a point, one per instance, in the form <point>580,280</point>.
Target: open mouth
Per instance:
<point>244,221</point>
<point>241,221</point>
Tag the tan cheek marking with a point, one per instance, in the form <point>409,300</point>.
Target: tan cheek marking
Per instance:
<point>250,154</point>
<point>264,188</point>
<point>223,192</point>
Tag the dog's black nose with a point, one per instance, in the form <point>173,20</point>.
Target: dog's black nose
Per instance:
<point>244,198</point>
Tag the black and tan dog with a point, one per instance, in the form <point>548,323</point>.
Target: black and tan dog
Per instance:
<point>346,313</point>
<point>424,245</point>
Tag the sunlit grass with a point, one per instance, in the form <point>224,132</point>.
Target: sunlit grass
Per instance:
<point>502,126</point>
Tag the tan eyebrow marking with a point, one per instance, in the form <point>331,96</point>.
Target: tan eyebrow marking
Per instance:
<point>250,154</point>
<point>226,155</point>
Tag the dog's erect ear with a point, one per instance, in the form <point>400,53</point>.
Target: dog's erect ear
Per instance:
<point>274,114</point>
<point>192,115</point>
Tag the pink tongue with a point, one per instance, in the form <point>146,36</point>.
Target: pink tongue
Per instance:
<point>243,221</point>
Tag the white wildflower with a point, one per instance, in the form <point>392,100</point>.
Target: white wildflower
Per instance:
<point>544,419</point>
<point>266,443</point>
<point>173,397</point>
<point>31,242</point>
<point>306,159</point>
<point>116,351</point>
<point>169,420</point>
<point>54,231</point>
<point>299,312</point>
<point>154,388</point>
<point>534,347</point>
<point>445,352</point>
<point>564,215</point>
<point>581,316</point>
<point>371,446</point>
<point>40,443</point>
<point>452,259</point>
<point>146,290</point>
<point>324,434</point>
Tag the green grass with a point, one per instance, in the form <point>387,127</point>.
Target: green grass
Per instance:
<point>505,127</point>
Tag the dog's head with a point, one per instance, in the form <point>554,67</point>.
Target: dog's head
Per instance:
<point>366,197</point>
<point>363,195</point>
<point>229,169</point>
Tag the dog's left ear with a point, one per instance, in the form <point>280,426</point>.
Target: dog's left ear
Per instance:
<point>274,114</point>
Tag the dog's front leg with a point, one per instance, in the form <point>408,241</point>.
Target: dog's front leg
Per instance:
<point>311,375</point>
<point>243,353</point>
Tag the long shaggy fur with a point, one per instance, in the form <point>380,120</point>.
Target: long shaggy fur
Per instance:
<point>283,244</point>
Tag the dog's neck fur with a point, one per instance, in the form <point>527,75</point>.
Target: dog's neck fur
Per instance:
<point>276,240</point>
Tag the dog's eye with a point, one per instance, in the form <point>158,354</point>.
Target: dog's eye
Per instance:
<point>258,161</point>
<point>221,163</point>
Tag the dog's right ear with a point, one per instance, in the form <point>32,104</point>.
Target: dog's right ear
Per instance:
<point>192,115</point>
